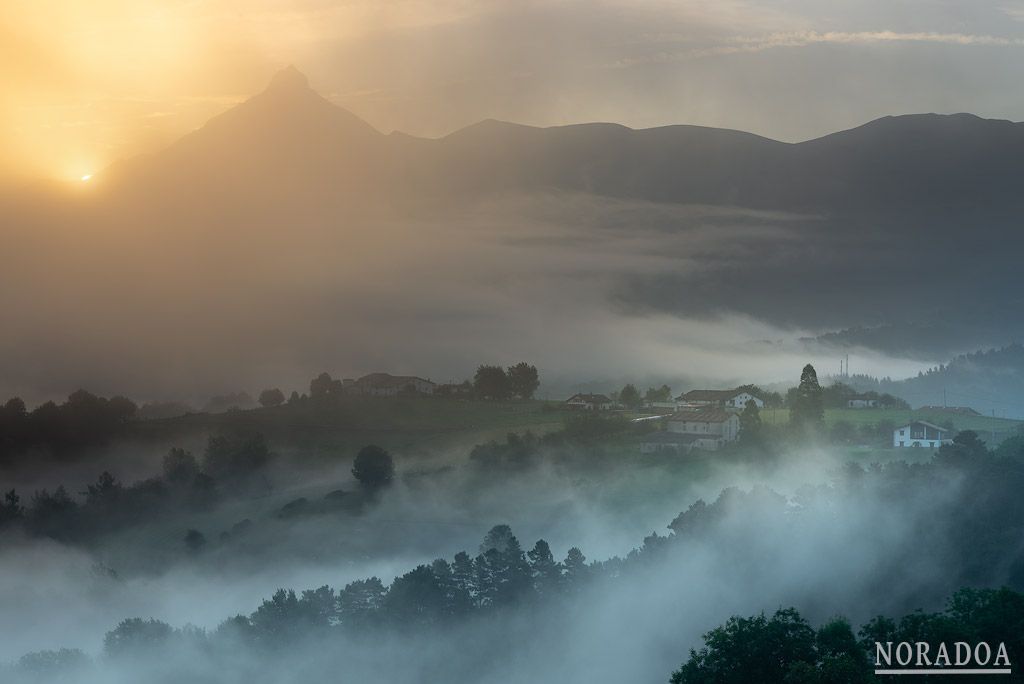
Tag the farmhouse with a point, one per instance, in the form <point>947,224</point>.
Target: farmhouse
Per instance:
<point>590,402</point>
<point>659,441</point>
<point>958,410</point>
<point>920,434</point>
<point>661,405</point>
<point>862,401</point>
<point>709,429</point>
<point>387,385</point>
<point>729,398</point>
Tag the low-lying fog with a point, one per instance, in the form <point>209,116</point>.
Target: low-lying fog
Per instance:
<point>53,595</point>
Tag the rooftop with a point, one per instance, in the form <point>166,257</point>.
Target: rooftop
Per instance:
<point>705,416</point>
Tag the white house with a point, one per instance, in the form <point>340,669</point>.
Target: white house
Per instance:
<point>590,402</point>
<point>661,405</point>
<point>708,429</point>
<point>920,434</point>
<point>660,441</point>
<point>862,401</point>
<point>729,398</point>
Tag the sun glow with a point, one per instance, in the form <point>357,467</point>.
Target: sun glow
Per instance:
<point>86,178</point>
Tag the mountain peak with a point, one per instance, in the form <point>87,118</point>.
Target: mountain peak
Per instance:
<point>288,80</point>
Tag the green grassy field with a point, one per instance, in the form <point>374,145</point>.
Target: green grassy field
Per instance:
<point>420,423</point>
<point>981,424</point>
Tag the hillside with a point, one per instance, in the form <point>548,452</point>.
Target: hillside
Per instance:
<point>987,381</point>
<point>345,424</point>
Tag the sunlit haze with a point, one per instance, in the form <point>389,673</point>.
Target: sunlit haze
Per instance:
<point>511,341</point>
<point>86,83</point>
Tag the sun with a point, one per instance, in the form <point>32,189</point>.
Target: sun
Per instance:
<point>86,178</point>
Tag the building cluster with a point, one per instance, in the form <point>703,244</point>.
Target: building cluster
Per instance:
<point>700,419</point>
<point>708,419</point>
<point>705,428</point>
<point>387,385</point>
<point>730,399</point>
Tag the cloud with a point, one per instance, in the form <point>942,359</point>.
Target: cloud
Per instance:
<point>750,45</point>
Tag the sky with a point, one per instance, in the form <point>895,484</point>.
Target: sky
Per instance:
<point>89,82</point>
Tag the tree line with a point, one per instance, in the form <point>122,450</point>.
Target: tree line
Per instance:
<point>502,575</point>
<point>983,511</point>
<point>228,466</point>
<point>83,420</point>
<point>784,649</point>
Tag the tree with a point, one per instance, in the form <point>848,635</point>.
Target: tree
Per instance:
<point>491,382</point>
<point>464,577</point>
<point>663,393</point>
<point>576,570</point>
<point>105,494</point>
<point>750,423</point>
<point>416,599</point>
<point>64,665</point>
<point>523,380</point>
<point>180,467</point>
<point>53,515</point>
<point>136,637</point>
<point>360,601</point>
<point>629,396</point>
<point>457,600</point>
<point>323,386</point>
<point>755,649</point>
<point>10,509</point>
<point>373,467</point>
<point>284,618</point>
<point>546,571</point>
<point>807,408</point>
<point>15,408</point>
<point>271,397</point>
<point>229,458</point>
<point>502,573</point>
<point>966,447</point>
<point>498,538</point>
<point>838,395</point>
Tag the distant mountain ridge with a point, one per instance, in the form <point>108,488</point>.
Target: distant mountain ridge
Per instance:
<point>897,163</point>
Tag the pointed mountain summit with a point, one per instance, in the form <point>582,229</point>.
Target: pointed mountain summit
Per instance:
<point>287,131</point>
<point>289,106</point>
<point>288,80</point>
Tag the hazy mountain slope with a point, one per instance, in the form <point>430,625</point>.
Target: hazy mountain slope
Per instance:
<point>287,139</point>
<point>917,165</point>
<point>988,381</point>
<point>925,164</point>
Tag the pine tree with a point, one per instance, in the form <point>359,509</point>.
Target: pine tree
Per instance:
<point>808,408</point>
<point>464,578</point>
<point>750,423</point>
<point>545,571</point>
<point>576,570</point>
